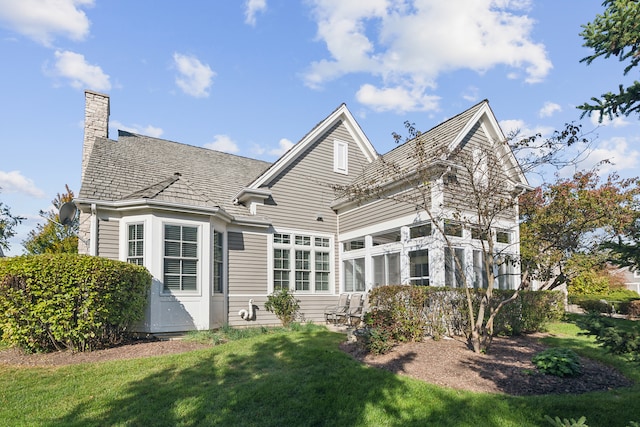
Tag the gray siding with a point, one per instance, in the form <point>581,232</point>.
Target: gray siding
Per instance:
<point>247,263</point>
<point>108,239</point>
<point>372,213</point>
<point>302,191</point>
<point>311,309</point>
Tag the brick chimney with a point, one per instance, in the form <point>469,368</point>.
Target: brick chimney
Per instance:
<point>96,122</point>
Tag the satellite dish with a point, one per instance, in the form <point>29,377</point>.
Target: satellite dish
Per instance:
<point>67,213</point>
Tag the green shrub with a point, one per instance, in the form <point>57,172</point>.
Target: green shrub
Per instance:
<point>633,309</point>
<point>561,362</point>
<point>69,301</point>
<point>557,422</point>
<point>378,335</point>
<point>613,336</point>
<point>615,300</point>
<point>284,305</point>
<point>589,283</point>
<point>408,313</point>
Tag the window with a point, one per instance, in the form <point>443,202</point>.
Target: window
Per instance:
<point>452,228</point>
<point>453,275</point>
<point>135,240</point>
<point>353,245</point>
<point>281,269</point>
<point>480,278</point>
<point>340,157</point>
<point>421,230</point>
<point>322,271</point>
<point>303,270</point>
<point>180,258</point>
<point>386,269</point>
<point>354,277</point>
<point>301,262</point>
<point>478,233</point>
<point>503,236</point>
<point>419,267</point>
<point>218,264</point>
<point>505,274</point>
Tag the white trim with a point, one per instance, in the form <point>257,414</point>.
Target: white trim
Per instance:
<point>342,113</point>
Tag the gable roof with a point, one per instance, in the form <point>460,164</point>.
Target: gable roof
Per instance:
<point>340,114</point>
<point>442,140</point>
<point>137,167</point>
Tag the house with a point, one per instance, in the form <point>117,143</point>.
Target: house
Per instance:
<point>217,230</point>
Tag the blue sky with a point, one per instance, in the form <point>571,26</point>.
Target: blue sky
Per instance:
<point>252,77</point>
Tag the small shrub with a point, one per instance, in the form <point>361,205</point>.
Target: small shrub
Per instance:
<point>614,337</point>
<point>557,422</point>
<point>284,305</point>
<point>633,310</point>
<point>561,362</point>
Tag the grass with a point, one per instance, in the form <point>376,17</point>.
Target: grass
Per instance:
<point>284,378</point>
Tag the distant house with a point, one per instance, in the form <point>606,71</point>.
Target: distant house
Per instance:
<point>216,230</point>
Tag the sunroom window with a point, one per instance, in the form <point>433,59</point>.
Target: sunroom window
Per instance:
<point>453,274</point>
<point>419,267</point>
<point>354,275</point>
<point>386,269</point>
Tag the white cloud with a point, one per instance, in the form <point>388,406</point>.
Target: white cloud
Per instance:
<point>223,143</point>
<point>410,45</point>
<point>15,182</point>
<point>617,151</point>
<point>82,75</point>
<point>283,146</point>
<point>42,20</point>
<point>616,122</point>
<point>399,99</point>
<point>195,78</point>
<point>549,108</point>
<point>139,129</point>
<point>471,94</point>
<point>252,8</point>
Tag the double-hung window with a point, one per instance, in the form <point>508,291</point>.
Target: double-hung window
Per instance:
<point>301,262</point>
<point>135,244</point>
<point>180,258</point>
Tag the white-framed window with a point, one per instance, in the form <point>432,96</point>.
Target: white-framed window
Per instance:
<point>340,157</point>
<point>353,245</point>
<point>419,267</point>
<point>218,262</point>
<point>503,236</point>
<point>180,256</point>
<point>452,228</point>
<point>301,262</point>
<point>354,275</point>
<point>135,243</point>
<point>421,230</point>
<point>506,274</point>
<point>480,278</point>
<point>386,269</point>
<point>453,274</point>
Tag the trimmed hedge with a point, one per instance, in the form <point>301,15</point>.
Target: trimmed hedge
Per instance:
<point>617,301</point>
<point>78,302</point>
<point>407,313</point>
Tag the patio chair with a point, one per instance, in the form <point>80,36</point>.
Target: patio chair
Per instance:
<point>356,318</point>
<point>331,312</point>
<point>354,309</point>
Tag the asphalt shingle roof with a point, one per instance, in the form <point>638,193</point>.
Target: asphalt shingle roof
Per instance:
<point>137,167</point>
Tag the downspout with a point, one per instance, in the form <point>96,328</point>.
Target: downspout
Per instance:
<point>93,231</point>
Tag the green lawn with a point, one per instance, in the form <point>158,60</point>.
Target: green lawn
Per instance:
<point>297,378</point>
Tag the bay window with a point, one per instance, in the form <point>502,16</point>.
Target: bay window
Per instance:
<point>301,262</point>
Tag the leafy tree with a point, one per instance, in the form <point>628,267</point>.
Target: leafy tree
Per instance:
<point>615,33</point>
<point>8,224</point>
<point>53,237</point>
<point>477,194</point>
<point>570,217</point>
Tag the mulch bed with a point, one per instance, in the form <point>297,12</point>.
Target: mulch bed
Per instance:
<point>507,368</point>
